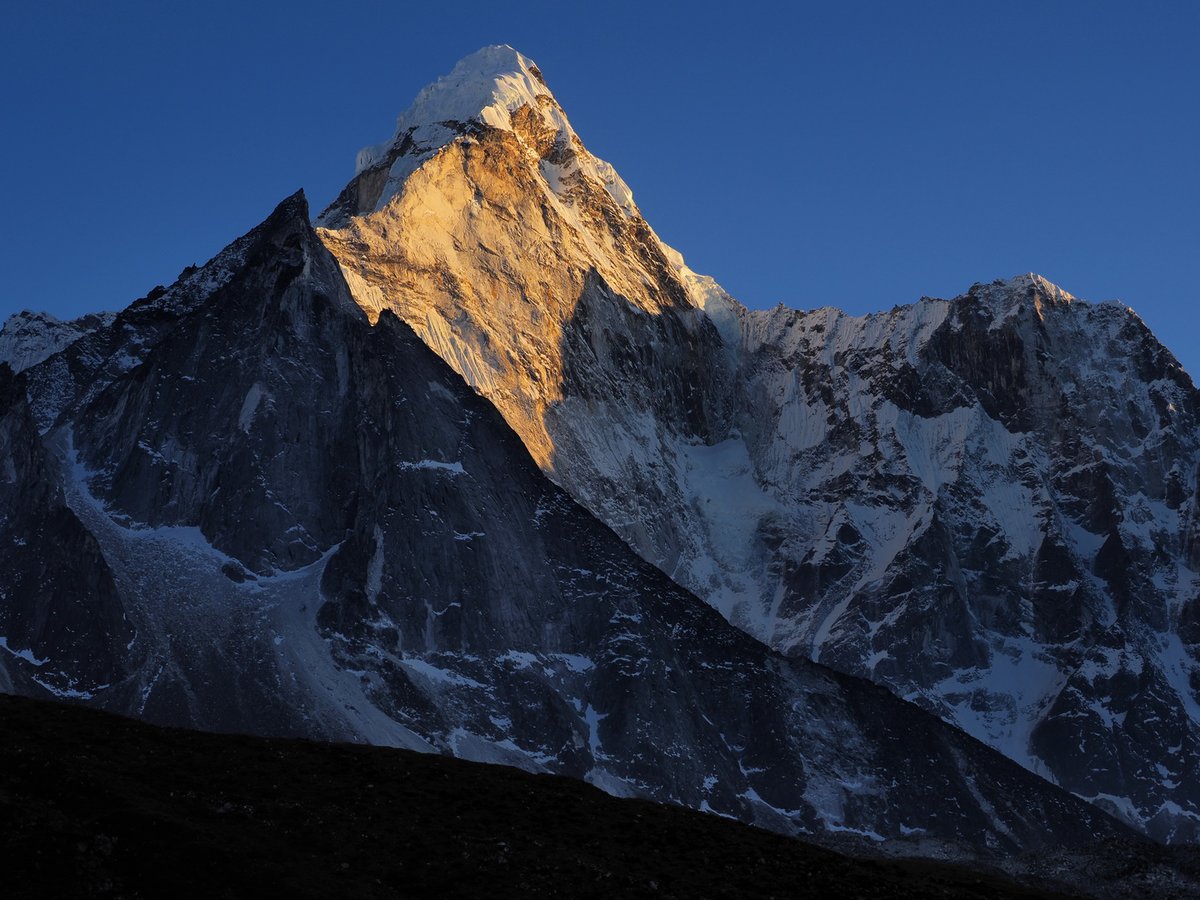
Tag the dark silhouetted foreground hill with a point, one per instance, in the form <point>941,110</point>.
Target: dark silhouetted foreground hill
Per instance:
<point>98,805</point>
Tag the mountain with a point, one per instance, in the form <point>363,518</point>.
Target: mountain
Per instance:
<point>295,522</point>
<point>987,504</point>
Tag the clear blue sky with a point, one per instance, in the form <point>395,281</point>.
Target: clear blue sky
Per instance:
<point>849,154</point>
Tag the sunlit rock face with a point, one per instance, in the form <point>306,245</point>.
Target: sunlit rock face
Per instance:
<point>257,511</point>
<point>987,504</point>
<point>492,231</point>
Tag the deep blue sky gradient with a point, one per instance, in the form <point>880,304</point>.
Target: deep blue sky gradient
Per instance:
<point>850,154</point>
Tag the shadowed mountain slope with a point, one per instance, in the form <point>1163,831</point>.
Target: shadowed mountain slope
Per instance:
<point>313,527</point>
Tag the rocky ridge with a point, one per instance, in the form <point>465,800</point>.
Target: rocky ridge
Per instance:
<point>303,524</point>
<point>27,338</point>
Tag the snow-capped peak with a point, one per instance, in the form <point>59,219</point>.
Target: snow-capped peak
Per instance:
<point>487,87</point>
<point>1041,284</point>
<point>493,88</point>
<point>1007,297</point>
<point>484,90</point>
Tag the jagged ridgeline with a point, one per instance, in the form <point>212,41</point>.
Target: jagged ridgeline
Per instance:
<point>300,523</point>
<point>362,482</point>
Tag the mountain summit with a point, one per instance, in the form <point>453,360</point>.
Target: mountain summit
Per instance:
<point>494,88</point>
<point>988,504</point>
<point>484,236</point>
<point>486,87</point>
